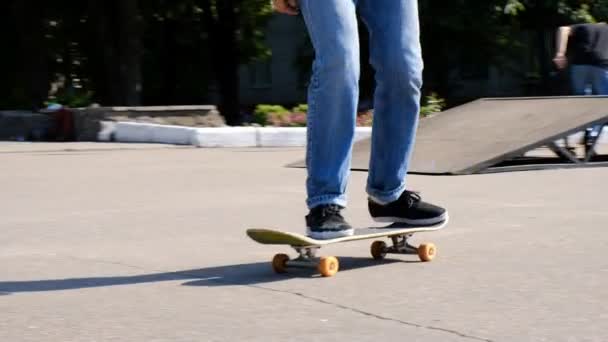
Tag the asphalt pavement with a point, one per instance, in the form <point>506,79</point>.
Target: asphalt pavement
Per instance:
<point>113,242</point>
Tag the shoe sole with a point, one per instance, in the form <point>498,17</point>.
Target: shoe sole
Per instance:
<point>421,222</point>
<point>329,234</point>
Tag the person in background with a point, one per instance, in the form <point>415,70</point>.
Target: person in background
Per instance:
<point>584,48</point>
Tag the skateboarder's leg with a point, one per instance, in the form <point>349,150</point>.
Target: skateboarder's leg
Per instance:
<point>332,101</point>
<point>332,98</point>
<point>395,54</point>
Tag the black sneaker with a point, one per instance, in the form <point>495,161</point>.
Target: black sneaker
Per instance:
<point>325,222</point>
<point>409,209</point>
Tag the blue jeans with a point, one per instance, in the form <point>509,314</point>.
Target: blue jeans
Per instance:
<point>396,57</point>
<point>589,77</point>
<point>592,80</point>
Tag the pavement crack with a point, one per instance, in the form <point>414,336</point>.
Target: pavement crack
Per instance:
<point>188,275</point>
<point>372,315</point>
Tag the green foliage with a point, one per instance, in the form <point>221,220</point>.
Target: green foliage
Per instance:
<point>514,36</point>
<point>90,45</point>
<point>468,36</point>
<point>551,11</point>
<point>82,44</point>
<point>279,116</point>
<point>301,108</point>
<point>73,98</point>
<point>297,119</point>
<point>254,16</point>
<point>365,119</point>
<point>432,104</point>
<point>265,113</point>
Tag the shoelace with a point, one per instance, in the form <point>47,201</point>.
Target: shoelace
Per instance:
<point>413,197</point>
<point>331,210</point>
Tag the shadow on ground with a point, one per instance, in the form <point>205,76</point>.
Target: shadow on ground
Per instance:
<point>230,275</point>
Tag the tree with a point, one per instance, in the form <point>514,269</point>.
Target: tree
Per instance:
<point>468,36</point>
<point>176,59</point>
<point>113,47</point>
<point>472,35</point>
<point>31,68</point>
<point>542,18</point>
<point>234,31</point>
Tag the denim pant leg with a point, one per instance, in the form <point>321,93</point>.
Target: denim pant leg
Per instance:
<point>579,78</point>
<point>332,98</point>
<point>397,59</point>
<point>599,80</point>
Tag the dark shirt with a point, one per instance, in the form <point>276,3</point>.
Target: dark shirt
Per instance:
<point>589,44</point>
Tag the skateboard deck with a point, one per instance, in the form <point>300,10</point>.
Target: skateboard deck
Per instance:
<point>306,247</point>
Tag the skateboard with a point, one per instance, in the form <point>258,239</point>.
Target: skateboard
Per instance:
<point>306,247</point>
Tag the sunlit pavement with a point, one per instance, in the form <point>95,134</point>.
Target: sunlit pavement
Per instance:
<point>110,242</point>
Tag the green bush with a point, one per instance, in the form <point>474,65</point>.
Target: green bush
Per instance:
<point>73,98</point>
<point>279,116</point>
<point>365,119</point>
<point>301,108</point>
<point>287,120</point>
<point>432,104</point>
<point>265,113</point>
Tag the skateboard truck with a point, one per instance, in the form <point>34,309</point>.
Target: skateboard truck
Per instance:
<point>401,245</point>
<point>328,266</point>
<point>307,257</point>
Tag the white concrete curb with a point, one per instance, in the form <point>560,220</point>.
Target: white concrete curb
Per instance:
<point>152,133</point>
<point>281,136</point>
<point>226,136</point>
<point>211,136</point>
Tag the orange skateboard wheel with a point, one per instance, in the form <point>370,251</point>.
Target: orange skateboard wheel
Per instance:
<point>279,263</point>
<point>328,266</point>
<point>378,250</point>
<point>427,251</point>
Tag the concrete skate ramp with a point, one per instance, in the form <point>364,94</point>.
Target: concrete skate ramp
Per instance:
<point>474,137</point>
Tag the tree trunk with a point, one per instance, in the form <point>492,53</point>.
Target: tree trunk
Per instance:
<point>102,53</point>
<point>115,51</point>
<point>224,50</point>
<point>130,47</point>
<point>229,63</point>
<point>32,49</point>
<point>169,61</point>
<point>544,61</point>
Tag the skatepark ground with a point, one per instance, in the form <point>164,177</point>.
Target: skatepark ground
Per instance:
<point>117,242</point>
